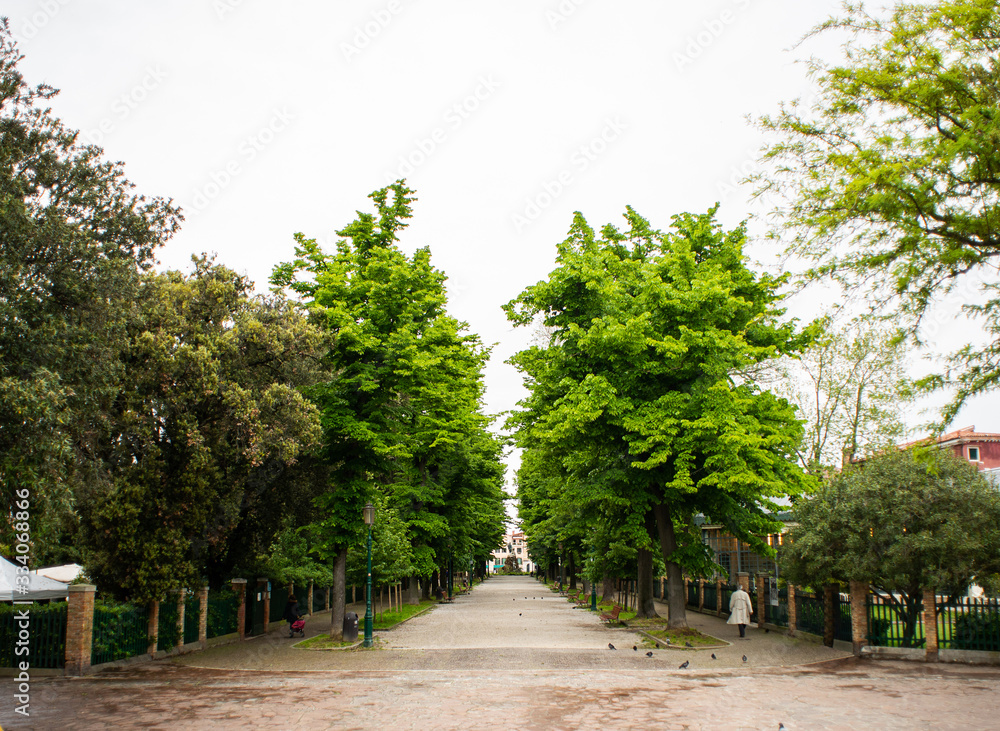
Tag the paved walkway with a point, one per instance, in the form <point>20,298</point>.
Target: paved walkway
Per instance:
<point>535,664</point>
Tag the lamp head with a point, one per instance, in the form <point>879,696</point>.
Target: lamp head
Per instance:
<point>369,514</point>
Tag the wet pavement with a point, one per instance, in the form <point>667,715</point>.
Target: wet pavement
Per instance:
<point>537,663</point>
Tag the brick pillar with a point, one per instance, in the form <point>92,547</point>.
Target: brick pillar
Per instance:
<point>79,628</point>
<point>930,625</point>
<point>687,592</point>
<point>743,579</point>
<point>793,612</point>
<point>203,617</point>
<point>859,615</point>
<point>262,587</point>
<point>240,587</point>
<point>153,627</point>
<point>309,601</point>
<point>761,579</point>
<point>181,594</point>
<point>718,596</point>
<point>701,594</point>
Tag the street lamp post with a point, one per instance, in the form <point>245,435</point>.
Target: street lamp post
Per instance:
<point>561,576</point>
<point>369,514</point>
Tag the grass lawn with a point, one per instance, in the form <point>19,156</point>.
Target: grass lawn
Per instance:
<point>322,642</point>
<point>388,619</point>
<point>681,635</point>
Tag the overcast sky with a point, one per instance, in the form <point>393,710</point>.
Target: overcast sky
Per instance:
<point>264,119</point>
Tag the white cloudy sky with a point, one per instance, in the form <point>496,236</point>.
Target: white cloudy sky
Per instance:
<point>264,119</point>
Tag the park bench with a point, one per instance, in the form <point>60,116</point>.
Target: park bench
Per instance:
<point>611,616</point>
<point>583,600</point>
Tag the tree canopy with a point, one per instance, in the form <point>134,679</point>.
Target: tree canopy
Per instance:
<point>888,182</point>
<point>904,521</point>
<point>643,395</point>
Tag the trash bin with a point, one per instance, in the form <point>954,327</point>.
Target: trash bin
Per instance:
<point>350,627</point>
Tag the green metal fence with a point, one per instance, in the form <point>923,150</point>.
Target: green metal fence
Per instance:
<point>969,623</point>
<point>777,614</point>
<point>711,597</point>
<point>168,632</point>
<point>223,607</point>
<point>192,616</point>
<point>809,613</point>
<point>692,598</point>
<point>279,600</point>
<point>121,631</point>
<point>45,635</point>
<point>319,599</point>
<point>724,597</point>
<point>895,620</point>
<point>842,617</point>
<point>302,594</point>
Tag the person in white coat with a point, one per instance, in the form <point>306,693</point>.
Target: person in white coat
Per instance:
<point>740,610</point>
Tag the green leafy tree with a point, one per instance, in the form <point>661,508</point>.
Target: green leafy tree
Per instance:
<point>641,394</point>
<point>888,181</point>
<point>402,410</point>
<point>904,521</point>
<point>74,241</point>
<point>211,399</point>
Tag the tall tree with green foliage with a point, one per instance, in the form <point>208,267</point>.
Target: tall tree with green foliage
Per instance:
<point>74,240</point>
<point>904,521</point>
<point>643,382</point>
<point>210,399</point>
<point>404,400</point>
<point>888,181</point>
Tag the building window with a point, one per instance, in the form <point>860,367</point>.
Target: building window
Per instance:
<point>973,454</point>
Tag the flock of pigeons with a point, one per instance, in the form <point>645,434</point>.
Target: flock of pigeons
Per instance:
<point>683,665</point>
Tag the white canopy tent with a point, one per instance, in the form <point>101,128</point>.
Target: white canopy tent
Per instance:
<point>39,587</point>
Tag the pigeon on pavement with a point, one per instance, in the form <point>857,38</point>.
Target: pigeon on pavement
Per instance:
<point>635,648</point>
<point>714,657</point>
<point>611,647</point>
<point>518,614</point>
<point>744,658</point>
<point>649,654</point>
<point>687,644</point>
<point>684,664</point>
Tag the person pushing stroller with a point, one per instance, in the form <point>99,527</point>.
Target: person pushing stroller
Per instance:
<point>294,619</point>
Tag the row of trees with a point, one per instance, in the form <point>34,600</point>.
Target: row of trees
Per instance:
<point>175,427</point>
<point>651,388</point>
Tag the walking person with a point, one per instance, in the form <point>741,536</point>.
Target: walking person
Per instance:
<point>740,610</point>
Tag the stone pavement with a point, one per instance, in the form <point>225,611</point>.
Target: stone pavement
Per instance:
<point>537,663</point>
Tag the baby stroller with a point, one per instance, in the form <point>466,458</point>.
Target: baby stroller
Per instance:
<point>299,625</point>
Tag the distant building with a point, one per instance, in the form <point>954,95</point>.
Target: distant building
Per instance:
<point>515,545</point>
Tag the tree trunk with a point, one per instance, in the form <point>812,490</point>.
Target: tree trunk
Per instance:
<point>645,609</point>
<point>829,608</point>
<point>675,577</point>
<point>411,594</point>
<point>572,570</point>
<point>425,587</point>
<point>607,588</point>
<point>339,595</point>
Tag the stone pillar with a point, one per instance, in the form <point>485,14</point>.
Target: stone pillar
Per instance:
<point>743,579</point>
<point>793,612</point>
<point>153,627</point>
<point>262,587</point>
<point>79,628</point>
<point>181,594</point>
<point>701,594</point>
<point>240,587</point>
<point>718,596</point>
<point>309,600</point>
<point>203,617</point>
<point>930,625</point>
<point>859,615</point>
<point>761,583</point>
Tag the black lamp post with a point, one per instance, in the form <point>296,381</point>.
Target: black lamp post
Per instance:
<point>369,515</point>
<point>560,566</point>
